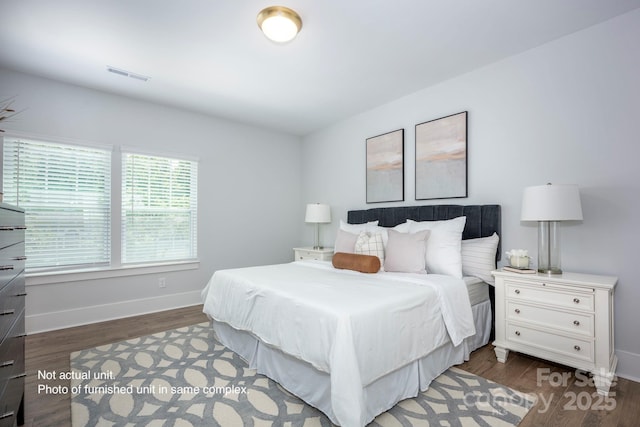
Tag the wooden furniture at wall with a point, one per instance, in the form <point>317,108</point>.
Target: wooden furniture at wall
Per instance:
<point>12,305</point>
<point>565,318</point>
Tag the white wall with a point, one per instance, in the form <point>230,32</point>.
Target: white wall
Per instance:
<point>565,112</point>
<point>250,209</point>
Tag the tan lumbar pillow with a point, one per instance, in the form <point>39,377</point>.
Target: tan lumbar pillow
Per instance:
<point>356,262</point>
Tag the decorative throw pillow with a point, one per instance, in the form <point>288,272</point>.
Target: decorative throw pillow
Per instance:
<point>370,244</point>
<point>444,245</point>
<point>405,252</point>
<point>356,262</point>
<point>479,257</point>
<point>384,231</point>
<point>345,242</point>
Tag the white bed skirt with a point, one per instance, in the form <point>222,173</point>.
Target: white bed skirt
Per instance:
<point>314,386</point>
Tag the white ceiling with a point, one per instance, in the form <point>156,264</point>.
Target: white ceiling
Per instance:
<point>209,55</point>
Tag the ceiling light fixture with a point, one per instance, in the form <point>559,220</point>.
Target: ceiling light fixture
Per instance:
<point>279,24</point>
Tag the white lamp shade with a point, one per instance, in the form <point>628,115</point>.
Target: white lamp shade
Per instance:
<point>551,203</point>
<point>318,213</point>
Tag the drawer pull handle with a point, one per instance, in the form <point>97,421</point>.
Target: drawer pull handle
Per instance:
<point>7,312</point>
<point>518,333</point>
<point>576,322</point>
<point>576,347</point>
<point>7,228</point>
<point>20,258</point>
<point>518,291</point>
<point>6,415</point>
<point>517,310</point>
<point>22,294</point>
<point>576,300</point>
<point>6,267</point>
<point>7,363</point>
<point>15,377</point>
<point>21,227</point>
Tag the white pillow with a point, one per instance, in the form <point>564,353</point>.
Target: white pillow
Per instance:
<point>370,244</point>
<point>345,242</point>
<point>444,245</point>
<point>357,228</point>
<point>405,252</point>
<point>479,257</point>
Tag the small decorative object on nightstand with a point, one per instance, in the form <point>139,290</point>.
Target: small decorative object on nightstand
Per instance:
<point>324,254</point>
<point>565,318</point>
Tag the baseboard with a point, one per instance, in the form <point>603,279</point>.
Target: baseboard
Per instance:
<point>628,365</point>
<point>99,313</point>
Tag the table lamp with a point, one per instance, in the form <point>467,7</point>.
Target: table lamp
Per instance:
<point>549,204</point>
<point>318,213</point>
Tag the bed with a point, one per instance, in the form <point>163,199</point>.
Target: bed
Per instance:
<point>352,344</point>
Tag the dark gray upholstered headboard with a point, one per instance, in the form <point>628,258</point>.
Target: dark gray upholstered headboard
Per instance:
<point>482,220</point>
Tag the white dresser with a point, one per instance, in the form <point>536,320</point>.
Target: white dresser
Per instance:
<point>566,318</point>
<point>324,254</point>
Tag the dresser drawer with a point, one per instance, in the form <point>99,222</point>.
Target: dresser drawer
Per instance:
<point>565,347</point>
<point>562,320</point>
<point>12,302</point>
<point>12,352</point>
<point>10,402</point>
<point>12,261</point>
<point>556,296</point>
<point>12,369</point>
<point>11,215</point>
<point>308,254</point>
<point>301,254</point>
<point>11,227</point>
<point>10,236</point>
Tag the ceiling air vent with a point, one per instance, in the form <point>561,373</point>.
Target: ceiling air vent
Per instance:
<point>125,73</point>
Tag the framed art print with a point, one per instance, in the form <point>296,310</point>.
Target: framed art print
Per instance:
<point>385,167</point>
<point>441,158</point>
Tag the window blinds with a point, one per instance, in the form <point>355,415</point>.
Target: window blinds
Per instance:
<point>66,193</point>
<point>159,208</point>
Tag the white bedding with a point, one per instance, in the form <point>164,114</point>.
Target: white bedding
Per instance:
<point>350,317</point>
<point>477,289</point>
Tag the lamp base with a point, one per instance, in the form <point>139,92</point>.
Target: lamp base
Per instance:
<point>549,248</point>
<point>549,271</point>
<point>317,248</point>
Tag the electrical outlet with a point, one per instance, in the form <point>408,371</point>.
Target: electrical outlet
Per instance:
<point>162,282</point>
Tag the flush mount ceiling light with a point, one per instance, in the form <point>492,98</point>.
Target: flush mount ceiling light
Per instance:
<point>280,24</point>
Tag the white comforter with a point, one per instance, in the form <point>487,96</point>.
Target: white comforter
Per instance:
<point>356,327</point>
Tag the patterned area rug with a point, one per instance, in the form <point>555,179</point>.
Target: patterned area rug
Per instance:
<point>184,377</point>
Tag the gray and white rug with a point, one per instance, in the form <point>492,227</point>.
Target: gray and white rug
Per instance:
<point>184,377</point>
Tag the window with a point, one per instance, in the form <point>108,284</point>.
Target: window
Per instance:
<point>159,208</point>
<point>71,205</point>
<point>66,192</point>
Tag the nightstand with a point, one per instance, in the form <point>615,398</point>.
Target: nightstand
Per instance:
<point>565,318</point>
<point>324,254</point>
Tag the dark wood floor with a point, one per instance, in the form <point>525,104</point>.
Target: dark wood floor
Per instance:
<point>50,351</point>
<point>560,403</point>
<point>565,399</point>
